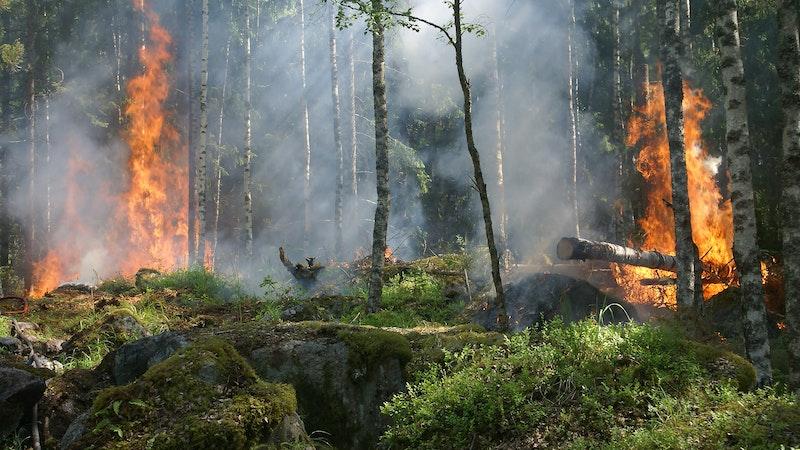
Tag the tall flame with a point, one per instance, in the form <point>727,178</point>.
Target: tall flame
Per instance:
<point>712,216</point>
<point>148,225</point>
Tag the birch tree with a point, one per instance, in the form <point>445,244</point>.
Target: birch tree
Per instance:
<point>306,132</point>
<point>572,185</point>
<point>248,137</point>
<point>499,153</point>
<point>671,54</point>
<point>789,73</point>
<point>201,154</point>
<point>30,102</point>
<point>745,245</point>
<point>337,135</point>
<point>353,135</point>
<point>218,161</point>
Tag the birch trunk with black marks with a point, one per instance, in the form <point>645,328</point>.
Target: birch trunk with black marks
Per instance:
<point>572,188</point>
<point>789,73</point>
<point>673,98</point>
<point>745,244</point>
<point>337,137</point>
<point>353,135</point>
<point>381,223</point>
<point>201,154</point>
<point>620,208</point>
<point>190,138</point>
<point>48,150</point>
<point>499,151</point>
<point>306,132</point>
<point>218,162</point>
<point>686,24</point>
<point>248,138</point>
<point>480,184</point>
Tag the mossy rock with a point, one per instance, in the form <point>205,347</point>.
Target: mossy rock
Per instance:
<point>204,396</point>
<point>724,364</point>
<point>114,330</point>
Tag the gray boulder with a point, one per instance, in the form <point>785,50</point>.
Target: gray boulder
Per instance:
<point>134,358</point>
<point>20,390</point>
<point>543,296</point>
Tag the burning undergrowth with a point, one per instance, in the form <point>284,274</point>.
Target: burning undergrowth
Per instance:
<point>145,222</point>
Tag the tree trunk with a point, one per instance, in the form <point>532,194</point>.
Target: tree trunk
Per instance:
<point>572,189</point>
<point>337,136</point>
<point>582,249</point>
<point>686,24</point>
<point>499,151</point>
<point>192,206</point>
<point>248,139</point>
<point>502,316</point>
<point>673,100</point>
<point>789,72</point>
<point>202,160</point>
<point>48,149</point>
<point>353,136</point>
<point>117,40</point>
<point>306,133</point>
<point>381,223</point>
<point>621,208</point>
<point>30,235</point>
<point>218,162</point>
<point>745,244</point>
<point>5,125</point>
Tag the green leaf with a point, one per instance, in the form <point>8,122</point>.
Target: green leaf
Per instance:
<point>115,406</point>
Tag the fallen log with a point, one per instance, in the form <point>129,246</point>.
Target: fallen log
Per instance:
<point>307,272</point>
<point>582,249</point>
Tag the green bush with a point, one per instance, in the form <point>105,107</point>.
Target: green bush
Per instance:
<point>197,284</point>
<point>555,385</point>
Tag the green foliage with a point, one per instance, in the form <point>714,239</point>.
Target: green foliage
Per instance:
<point>403,161</point>
<point>558,383</point>
<point>197,284</point>
<point>11,56</point>
<point>116,286</point>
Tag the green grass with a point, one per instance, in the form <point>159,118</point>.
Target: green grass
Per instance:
<point>562,384</point>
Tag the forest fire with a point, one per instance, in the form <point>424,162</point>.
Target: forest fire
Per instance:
<point>712,217</point>
<point>147,226</point>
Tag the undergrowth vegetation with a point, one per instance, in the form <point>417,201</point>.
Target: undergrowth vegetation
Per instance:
<point>622,386</point>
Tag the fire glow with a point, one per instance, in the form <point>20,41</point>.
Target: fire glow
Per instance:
<point>712,216</point>
<point>148,225</point>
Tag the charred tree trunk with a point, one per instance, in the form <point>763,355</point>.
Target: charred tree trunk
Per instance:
<point>572,188</point>
<point>582,249</point>
<point>745,243</point>
<point>381,223</point>
<point>789,73</point>
<point>201,156</point>
<point>306,133</point>
<point>248,138</point>
<point>499,151</point>
<point>337,136</point>
<point>673,99</point>
<point>502,316</point>
<point>218,162</point>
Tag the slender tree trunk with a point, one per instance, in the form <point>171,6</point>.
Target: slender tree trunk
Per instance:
<point>673,99</point>
<point>621,208</point>
<point>202,159</point>
<point>48,149</point>
<point>499,151</point>
<point>30,244</point>
<point>306,133</point>
<point>502,316</point>
<point>117,39</point>
<point>353,136</point>
<point>337,136</point>
<point>218,162</point>
<point>686,24</point>
<point>248,144</point>
<point>789,73</point>
<point>572,190</point>
<point>745,244</point>
<point>5,125</point>
<point>192,205</point>
<point>381,223</point>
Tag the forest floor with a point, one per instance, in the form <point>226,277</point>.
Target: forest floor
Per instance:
<point>189,358</point>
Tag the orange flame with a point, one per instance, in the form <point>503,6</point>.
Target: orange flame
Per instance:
<point>149,224</point>
<point>712,216</point>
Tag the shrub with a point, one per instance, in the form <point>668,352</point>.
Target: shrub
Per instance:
<point>197,284</point>
<point>555,385</point>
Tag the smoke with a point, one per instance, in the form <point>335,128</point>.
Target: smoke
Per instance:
<point>87,169</point>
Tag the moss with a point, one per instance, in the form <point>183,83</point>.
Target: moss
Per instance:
<point>369,347</point>
<point>204,396</point>
<point>722,363</point>
<point>42,373</point>
<point>116,286</point>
